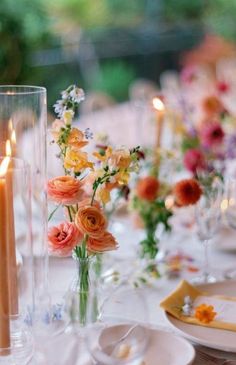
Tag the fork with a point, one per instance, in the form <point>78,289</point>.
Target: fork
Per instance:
<point>212,360</point>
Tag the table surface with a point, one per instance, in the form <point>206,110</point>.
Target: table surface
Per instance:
<point>66,349</point>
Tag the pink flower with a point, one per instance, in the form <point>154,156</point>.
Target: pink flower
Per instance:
<point>212,134</point>
<point>63,238</point>
<point>194,160</point>
<point>65,190</point>
<point>223,87</point>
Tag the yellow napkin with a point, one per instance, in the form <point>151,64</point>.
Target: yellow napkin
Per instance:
<point>174,302</point>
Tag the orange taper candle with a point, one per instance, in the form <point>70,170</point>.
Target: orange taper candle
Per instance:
<point>4,278</point>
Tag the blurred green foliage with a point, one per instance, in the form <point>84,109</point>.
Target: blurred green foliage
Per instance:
<point>114,79</point>
<point>187,10</point>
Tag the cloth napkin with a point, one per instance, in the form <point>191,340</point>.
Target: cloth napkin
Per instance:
<point>224,306</point>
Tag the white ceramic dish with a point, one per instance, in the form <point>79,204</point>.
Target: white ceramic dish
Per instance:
<point>164,348</point>
<point>210,337</point>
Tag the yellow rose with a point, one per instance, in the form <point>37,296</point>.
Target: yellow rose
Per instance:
<point>76,160</point>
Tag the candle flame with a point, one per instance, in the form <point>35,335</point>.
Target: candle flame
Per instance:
<point>158,104</point>
<point>8,148</point>
<point>13,137</point>
<point>4,166</point>
<point>10,125</point>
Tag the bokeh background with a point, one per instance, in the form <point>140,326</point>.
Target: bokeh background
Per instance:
<point>105,45</point>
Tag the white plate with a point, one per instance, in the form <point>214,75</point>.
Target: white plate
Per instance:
<point>214,338</point>
<point>164,348</point>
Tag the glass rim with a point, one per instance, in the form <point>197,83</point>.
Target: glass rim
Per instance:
<point>13,90</point>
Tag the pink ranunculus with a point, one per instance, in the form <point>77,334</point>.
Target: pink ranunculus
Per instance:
<point>212,134</point>
<point>63,238</point>
<point>194,160</point>
<point>65,190</point>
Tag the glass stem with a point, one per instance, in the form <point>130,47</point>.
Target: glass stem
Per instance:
<point>206,271</point>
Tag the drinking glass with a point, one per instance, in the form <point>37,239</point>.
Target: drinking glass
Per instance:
<point>230,211</point>
<point>208,214</point>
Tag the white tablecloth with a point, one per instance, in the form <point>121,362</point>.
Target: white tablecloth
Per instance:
<point>66,349</point>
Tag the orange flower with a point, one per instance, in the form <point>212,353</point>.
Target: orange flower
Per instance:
<point>76,138</point>
<point>147,188</point>
<point>187,192</point>
<point>91,221</point>
<point>212,106</point>
<point>120,159</point>
<point>104,243</point>
<point>205,313</point>
<point>63,238</point>
<point>65,190</point>
<point>76,160</point>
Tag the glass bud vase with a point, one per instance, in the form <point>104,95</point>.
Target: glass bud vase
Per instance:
<point>82,298</point>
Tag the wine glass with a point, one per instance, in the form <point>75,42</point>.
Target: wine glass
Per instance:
<point>230,212</point>
<point>208,214</point>
<point>119,336</point>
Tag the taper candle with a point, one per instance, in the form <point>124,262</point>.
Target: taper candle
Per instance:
<point>4,278</point>
<point>159,107</point>
<point>13,282</point>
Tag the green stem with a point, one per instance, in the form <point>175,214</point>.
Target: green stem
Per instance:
<point>70,215</point>
<point>52,213</point>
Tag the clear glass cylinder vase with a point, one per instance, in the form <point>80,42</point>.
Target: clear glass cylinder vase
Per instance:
<point>23,121</point>
<point>16,262</point>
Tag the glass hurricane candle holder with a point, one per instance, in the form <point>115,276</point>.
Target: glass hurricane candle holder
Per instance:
<point>16,262</point>
<point>23,121</point>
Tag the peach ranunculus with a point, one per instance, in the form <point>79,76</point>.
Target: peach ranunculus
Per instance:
<point>87,202</point>
<point>147,188</point>
<point>106,242</point>
<point>120,159</point>
<point>91,221</point>
<point>76,138</point>
<point>57,125</point>
<point>63,238</point>
<point>76,160</point>
<point>65,190</point>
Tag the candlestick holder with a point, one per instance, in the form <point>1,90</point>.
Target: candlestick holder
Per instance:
<point>16,262</point>
<point>23,121</point>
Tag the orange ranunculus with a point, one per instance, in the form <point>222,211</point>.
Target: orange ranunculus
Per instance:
<point>104,243</point>
<point>65,190</point>
<point>147,188</point>
<point>120,159</point>
<point>91,221</point>
<point>205,313</point>
<point>63,238</point>
<point>212,106</point>
<point>76,138</point>
<point>187,192</point>
<point>87,202</point>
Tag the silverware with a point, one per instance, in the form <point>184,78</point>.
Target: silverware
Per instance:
<point>212,360</point>
<point>110,348</point>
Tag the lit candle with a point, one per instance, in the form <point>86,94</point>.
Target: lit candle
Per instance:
<point>13,282</point>
<point>159,106</point>
<point>4,279</point>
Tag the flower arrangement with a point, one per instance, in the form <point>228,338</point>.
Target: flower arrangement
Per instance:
<point>84,190</point>
<point>155,200</point>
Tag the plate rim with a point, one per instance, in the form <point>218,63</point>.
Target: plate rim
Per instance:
<point>179,338</point>
<point>194,339</point>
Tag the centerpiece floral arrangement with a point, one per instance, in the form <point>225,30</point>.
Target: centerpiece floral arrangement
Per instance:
<point>156,201</point>
<point>83,191</point>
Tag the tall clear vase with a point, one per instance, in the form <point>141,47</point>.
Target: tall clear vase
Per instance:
<point>23,121</point>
